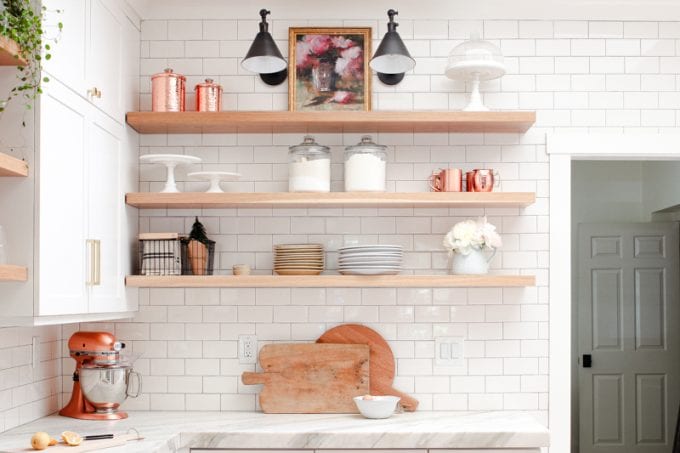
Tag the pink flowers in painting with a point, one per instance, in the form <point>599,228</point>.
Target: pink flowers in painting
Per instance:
<point>344,52</point>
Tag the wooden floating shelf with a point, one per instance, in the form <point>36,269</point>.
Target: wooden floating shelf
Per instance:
<point>375,121</point>
<point>11,166</point>
<point>8,50</point>
<point>11,273</point>
<point>203,200</point>
<point>331,281</point>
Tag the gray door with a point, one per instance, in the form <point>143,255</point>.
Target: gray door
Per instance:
<point>629,323</point>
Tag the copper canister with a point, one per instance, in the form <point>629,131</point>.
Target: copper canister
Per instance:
<point>168,91</point>
<point>208,96</point>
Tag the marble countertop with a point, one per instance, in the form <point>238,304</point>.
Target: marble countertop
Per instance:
<point>173,431</point>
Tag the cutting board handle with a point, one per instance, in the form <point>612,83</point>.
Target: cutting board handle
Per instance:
<point>409,403</point>
<point>250,378</point>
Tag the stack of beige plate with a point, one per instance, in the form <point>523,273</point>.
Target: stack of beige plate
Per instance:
<point>298,259</point>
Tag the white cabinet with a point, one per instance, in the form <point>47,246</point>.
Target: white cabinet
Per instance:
<point>62,203</point>
<point>89,57</point>
<point>84,162</point>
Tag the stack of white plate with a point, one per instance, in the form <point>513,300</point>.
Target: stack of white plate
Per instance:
<point>298,259</point>
<point>370,259</point>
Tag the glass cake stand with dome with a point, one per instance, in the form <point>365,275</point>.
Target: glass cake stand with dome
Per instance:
<point>474,61</point>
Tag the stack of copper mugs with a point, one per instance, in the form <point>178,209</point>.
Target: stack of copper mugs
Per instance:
<point>168,93</point>
<point>451,180</point>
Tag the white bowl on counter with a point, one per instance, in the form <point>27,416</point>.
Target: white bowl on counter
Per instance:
<point>377,407</point>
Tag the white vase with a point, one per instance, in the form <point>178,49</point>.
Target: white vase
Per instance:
<point>476,262</point>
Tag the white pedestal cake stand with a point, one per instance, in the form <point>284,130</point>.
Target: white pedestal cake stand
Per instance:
<point>215,178</point>
<point>475,71</point>
<point>170,161</point>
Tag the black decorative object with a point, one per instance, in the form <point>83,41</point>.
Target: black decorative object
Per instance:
<point>264,56</point>
<point>392,59</point>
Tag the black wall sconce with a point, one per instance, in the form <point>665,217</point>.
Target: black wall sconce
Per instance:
<point>264,57</point>
<point>392,58</point>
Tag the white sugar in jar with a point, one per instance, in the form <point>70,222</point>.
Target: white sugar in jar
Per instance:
<point>365,165</point>
<point>309,167</point>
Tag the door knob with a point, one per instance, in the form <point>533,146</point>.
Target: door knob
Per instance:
<point>587,361</point>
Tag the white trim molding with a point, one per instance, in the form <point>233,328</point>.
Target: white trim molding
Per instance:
<point>562,149</point>
<point>616,146</point>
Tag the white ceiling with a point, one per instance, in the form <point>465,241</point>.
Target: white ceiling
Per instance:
<point>413,9</point>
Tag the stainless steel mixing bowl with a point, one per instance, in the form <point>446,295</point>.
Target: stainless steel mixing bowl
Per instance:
<point>106,387</point>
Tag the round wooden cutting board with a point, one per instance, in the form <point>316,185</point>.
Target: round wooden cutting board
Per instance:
<point>381,362</point>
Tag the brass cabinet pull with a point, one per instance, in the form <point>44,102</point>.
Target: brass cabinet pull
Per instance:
<point>98,262</point>
<point>94,93</point>
<point>91,262</point>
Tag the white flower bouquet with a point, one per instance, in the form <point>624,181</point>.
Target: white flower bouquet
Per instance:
<point>471,235</point>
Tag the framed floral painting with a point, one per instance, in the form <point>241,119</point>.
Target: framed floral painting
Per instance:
<point>328,69</point>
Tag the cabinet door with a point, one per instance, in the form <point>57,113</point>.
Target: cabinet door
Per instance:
<point>105,210</point>
<point>68,55</point>
<point>62,203</point>
<point>104,62</point>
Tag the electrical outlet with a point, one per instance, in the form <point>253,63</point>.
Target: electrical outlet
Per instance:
<point>449,351</point>
<point>247,349</point>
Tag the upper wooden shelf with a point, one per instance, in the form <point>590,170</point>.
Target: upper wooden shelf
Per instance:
<point>225,122</point>
<point>12,273</point>
<point>203,200</point>
<point>11,166</point>
<point>331,281</point>
<point>8,50</point>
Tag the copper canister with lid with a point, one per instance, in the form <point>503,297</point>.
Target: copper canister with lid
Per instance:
<point>168,91</point>
<point>208,96</point>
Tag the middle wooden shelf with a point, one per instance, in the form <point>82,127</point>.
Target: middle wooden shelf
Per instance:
<point>330,281</point>
<point>194,200</point>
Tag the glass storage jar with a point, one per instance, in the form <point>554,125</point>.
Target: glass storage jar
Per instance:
<point>365,165</point>
<point>309,167</point>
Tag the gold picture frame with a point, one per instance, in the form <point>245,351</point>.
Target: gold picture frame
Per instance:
<point>328,69</point>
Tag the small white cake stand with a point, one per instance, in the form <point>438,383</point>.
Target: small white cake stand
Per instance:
<point>475,71</point>
<point>215,178</point>
<point>170,161</point>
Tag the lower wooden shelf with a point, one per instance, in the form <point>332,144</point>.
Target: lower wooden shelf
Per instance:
<point>330,281</point>
<point>12,273</point>
<point>11,166</point>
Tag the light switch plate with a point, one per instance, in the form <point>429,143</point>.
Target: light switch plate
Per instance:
<point>449,351</point>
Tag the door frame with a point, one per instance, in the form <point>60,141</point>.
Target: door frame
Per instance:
<point>562,149</point>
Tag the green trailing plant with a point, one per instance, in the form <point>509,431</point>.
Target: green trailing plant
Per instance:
<point>22,23</point>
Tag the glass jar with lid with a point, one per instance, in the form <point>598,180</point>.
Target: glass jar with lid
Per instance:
<point>309,167</point>
<point>365,165</point>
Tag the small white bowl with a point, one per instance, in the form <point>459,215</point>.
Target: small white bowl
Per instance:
<point>378,407</point>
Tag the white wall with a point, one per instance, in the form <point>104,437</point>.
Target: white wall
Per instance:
<point>661,189</point>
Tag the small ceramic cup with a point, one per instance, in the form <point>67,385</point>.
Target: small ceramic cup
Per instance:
<point>241,269</point>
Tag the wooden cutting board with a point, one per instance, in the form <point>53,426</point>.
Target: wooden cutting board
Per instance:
<point>311,378</point>
<point>87,445</point>
<point>382,359</point>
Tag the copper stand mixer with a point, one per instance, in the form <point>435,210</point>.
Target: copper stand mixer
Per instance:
<point>101,380</point>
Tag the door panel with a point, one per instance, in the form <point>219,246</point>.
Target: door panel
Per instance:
<point>650,311</point>
<point>104,64</point>
<point>608,409</point>
<point>68,57</point>
<point>628,310</point>
<point>651,408</point>
<point>606,309</point>
<point>104,207</point>
<point>62,261</point>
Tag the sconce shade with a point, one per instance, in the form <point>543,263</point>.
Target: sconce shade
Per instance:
<point>392,56</point>
<point>264,56</point>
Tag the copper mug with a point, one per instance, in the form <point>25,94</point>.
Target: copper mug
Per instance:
<point>447,180</point>
<point>482,180</point>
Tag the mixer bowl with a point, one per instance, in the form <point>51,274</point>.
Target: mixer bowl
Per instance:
<point>106,387</point>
